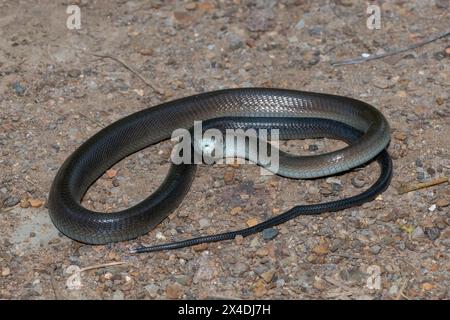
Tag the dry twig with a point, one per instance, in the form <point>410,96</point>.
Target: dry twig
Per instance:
<point>52,282</point>
<point>123,63</point>
<point>104,265</point>
<point>392,52</point>
<point>405,188</point>
<point>74,281</point>
<point>101,125</point>
<point>400,292</point>
<point>342,255</point>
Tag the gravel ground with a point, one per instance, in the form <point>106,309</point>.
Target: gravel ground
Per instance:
<point>54,94</point>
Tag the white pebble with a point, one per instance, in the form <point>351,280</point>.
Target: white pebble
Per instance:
<point>160,236</point>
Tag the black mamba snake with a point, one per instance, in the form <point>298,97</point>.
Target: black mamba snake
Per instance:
<point>296,114</point>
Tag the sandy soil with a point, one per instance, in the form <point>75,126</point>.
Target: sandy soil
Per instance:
<point>54,94</point>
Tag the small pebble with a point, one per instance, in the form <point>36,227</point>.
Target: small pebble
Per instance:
<point>152,289</point>
<point>174,291</point>
<point>204,223</point>
<point>258,22</point>
<point>228,176</point>
<point>56,146</point>
<point>442,202</point>
<point>118,295</point>
<point>239,240</point>
<point>24,203</point>
<point>427,286</point>
<point>335,245</point>
<point>375,249</point>
<point>419,163</point>
<point>268,275</point>
<point>432,208</point>
<point>280,283</point>
<point>439,55</point>
<point>358,182</point>
<point>417,233</point>
<point>400,136</point>
<point>262,252</point>
<point>235,42</point>
<point>421,176</point>
<point>333,181</point>
<point>252,222</point>
<point>217,184</point>
<point>244,196</point>
<point>191,6</point>
<point>11,201</point>
<point>446,242</point>
<point>74,73</point>
<point>393,290</point>
<point>315,31</point>
<point>441,4</point>
<point>182,279</point>
<point>432,233</point>
<point>269,234</point>
<point>160,236</point>
<point>336,187</point>
<point>6,272</point>
<point>36,203</point>
<point>235,211</point>
<point>300,24</point>
<point>18,88</point>
<point>111,173</point>
<point>200,247</point>
<point>313,147</point>
<point>146,51</point>
<point>248,66</point>
<point>239,268</point>
<point>390,216</point>
<point>321,249</point>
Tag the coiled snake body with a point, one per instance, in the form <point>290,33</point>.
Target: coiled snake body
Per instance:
<point>296,114</point>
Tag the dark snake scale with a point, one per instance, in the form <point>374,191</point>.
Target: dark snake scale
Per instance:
<point>296,114</point>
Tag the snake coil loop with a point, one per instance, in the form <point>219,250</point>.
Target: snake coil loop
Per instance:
<point>296,114</point>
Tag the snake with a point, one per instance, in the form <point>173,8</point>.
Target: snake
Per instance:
<point>296,114</point>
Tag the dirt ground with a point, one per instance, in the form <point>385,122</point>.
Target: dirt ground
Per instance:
<point>54,94</point>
